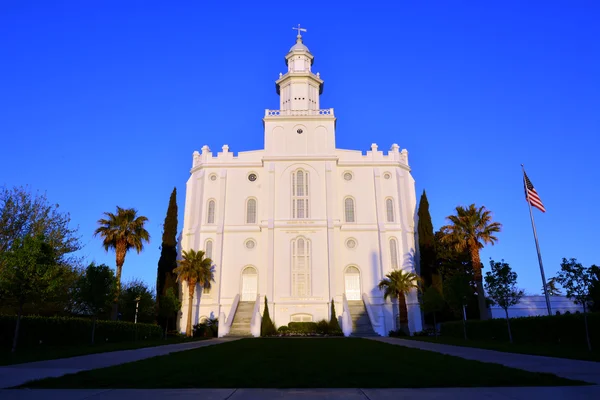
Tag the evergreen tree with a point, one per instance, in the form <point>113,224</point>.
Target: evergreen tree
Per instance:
<point>165,277</point>
<point>427,253</point>
<point>266,325</point>
<point>334,325</point>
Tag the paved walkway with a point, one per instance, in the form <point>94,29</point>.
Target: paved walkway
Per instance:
<point>14,375</point>
<point>522,393</point>
<point>587,371</point>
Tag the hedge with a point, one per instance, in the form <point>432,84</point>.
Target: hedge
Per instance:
<point>303,327</point>
<point>54,331</point>
<point>568,329</point>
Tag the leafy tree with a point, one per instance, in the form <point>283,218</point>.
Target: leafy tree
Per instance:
<point>501,286</point>
<point>266,326</point>
<point>94,292</point>
<point>427,253</point>
<point>397,284</point>
<point>165,278</point>
<point>457,291</point>
<point>122,232</point>
<point>128,300</point>
<point>551,288</point>
<point>334,325</point>
<point>433,302</point>
<point>194,269</point>
<point>24,214</point>
<point>470,229</point>
<point>169,305</point>
<point>577,282</point>
<point>30,272</point>
<point>595,288</point>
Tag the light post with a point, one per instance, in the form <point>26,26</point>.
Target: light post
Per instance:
<point>137,307</point>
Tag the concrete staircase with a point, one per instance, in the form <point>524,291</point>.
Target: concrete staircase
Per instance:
<point>361,324</point>
<point>241,321</point>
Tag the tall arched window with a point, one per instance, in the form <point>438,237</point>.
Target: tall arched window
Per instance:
<point>301,267</point>
<point>208,253</point>
<point>349,209</point>
<point>394,253</point>
<point>251,211</point>
<point>389,207</point>
<point>210,214</point>
<point>300,194</point>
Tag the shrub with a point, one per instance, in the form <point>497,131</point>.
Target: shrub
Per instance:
<point>334,325</point>
<point>397,333</point>
<point>283,329</point>
<point>303,327</point>
<point>323,327</point>
<point>208,328</point>
<point>563,329</point>
<point>58,331</point>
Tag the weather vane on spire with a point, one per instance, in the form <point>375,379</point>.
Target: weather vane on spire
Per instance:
<point>300,30</point>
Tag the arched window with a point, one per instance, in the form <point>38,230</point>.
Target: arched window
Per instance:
<point>301,261</point>
<point>210,214</point>
<point>208,253</point>
<point>389,206</point>
<point>394,253</point>
<point>251,211</point>
<point>300,194</point>
<point>301,318</point>
<point>349,209</point>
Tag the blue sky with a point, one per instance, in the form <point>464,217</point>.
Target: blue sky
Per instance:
<point>103,102</point>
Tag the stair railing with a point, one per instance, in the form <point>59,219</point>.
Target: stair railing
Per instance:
<point>256,320</point>
<point>376,320</point>
<point>225,324</point>
<point>346,317</point>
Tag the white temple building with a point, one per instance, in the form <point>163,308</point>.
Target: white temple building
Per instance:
<point>300,221</point>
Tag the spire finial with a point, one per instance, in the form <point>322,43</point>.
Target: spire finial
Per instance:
<point>299,37</point>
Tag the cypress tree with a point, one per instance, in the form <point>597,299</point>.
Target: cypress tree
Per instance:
<point>165,278</point>
<point>334,325</point>
<point>266,325</point>
<point>426,241</point>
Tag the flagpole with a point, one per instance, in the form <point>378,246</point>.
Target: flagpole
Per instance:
<point>537,245</point>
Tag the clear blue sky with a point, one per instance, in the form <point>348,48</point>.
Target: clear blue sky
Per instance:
<point>103,102</point>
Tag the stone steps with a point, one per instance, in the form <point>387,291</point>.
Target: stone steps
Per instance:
<point>361,324</point>
<point>241,320</point>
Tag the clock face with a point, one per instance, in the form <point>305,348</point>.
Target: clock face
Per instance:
<point>252,177</point>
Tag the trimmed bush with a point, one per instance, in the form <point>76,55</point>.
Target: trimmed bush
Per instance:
<point>267,327</point>
<point>334,325</point>
<point>303,327</point>
<point>323,327</point>
<point>58,331</point>
<point>208,328</point>
<point>398,333</point>
<point>283,329</point>
<point>567,329</point>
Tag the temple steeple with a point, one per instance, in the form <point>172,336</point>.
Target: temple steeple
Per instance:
<point>299,88</point>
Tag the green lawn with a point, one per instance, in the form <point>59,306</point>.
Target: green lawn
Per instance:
<point>51,353</point>
<point>548,350</point>
<point>302,363</point>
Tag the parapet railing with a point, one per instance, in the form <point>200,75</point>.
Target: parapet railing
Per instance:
<point>293,113</point>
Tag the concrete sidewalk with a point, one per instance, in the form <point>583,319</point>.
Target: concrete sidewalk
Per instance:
<point>587,371</point>
<point>14,375</point>
<point>503,393</point>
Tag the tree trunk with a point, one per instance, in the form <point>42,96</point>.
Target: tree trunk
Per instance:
<point>121,251</point>
<point>17,327</point>
<point>166,327</point>
<point>476,261</point>
<point>191,289</point>
<point>587,333</point>
<point>435,326</point>
<point>403,316</point>
<point>508,324</point>
<point>93,328</point>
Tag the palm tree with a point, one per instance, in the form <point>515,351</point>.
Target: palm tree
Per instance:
<point>194,268</point>
<point>397,284</point>
<point>471,229</point>
<point>122,232</point>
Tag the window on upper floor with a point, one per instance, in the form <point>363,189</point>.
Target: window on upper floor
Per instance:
<point>251,211</point>
<point>208,253</point>
<point>394,253</point>
<point>300,199</point>
<point>389,207</point>
<point>301,266</point>
<point>349,209</point>
<point>210,214</point>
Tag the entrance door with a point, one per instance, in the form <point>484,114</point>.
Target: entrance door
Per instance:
<point>249,284</point>
<point>352,278</point>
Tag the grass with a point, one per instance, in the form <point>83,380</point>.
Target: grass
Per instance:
<point>302,363</point>
<point>548,350</point>
<point>51,353</point>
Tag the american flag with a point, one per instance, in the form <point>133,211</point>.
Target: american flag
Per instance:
<point>531,194</point>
